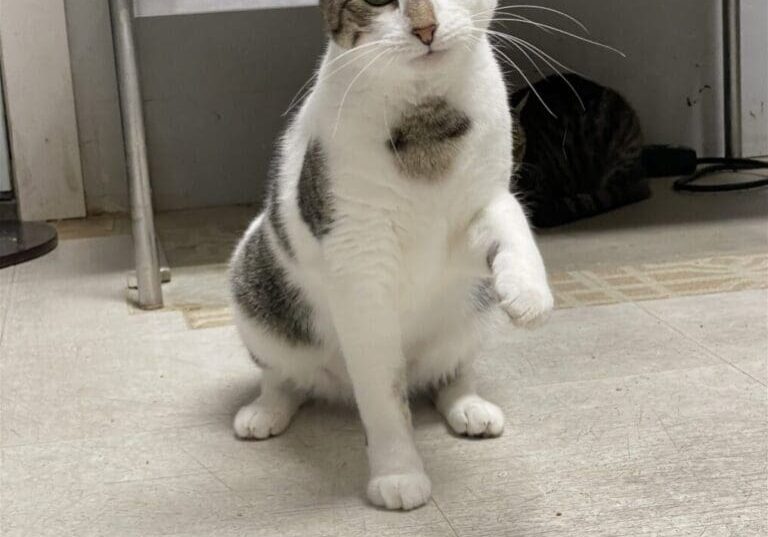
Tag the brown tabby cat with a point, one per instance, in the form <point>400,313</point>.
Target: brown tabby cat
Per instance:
<point>582,162</point>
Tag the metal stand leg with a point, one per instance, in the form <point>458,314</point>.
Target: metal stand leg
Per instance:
<point>732,77</point>
<point>145,242</point>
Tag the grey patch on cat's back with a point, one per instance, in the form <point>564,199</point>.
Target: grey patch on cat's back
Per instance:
<point>278,224</point>
<point>426,139</point>
<point>484,295</point>
<point>315,200</point>
<point>260,286</point>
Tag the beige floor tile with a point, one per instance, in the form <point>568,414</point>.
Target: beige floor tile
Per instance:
<point>347,522</point>
<point>757,369</point>
<point>671,453</point>
<point>623,420</point>
<point>119,385</point>
<point>140,508</point>
<point>670,226</point>
<point>6,281</point>
<point>78,293</point>
<point>64,484</point>
<point>590,343</point>
<point>734,326</point>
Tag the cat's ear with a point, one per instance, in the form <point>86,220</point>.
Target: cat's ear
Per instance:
<point>518,109</point>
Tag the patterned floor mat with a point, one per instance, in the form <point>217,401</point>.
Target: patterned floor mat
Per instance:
<point>572,289</point>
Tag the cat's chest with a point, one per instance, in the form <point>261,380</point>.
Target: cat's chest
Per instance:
<point>426,138</point>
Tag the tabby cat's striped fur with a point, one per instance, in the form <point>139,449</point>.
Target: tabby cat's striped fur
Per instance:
<point>582,162</point>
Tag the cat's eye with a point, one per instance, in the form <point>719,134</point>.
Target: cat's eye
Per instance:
<point>379,3</point>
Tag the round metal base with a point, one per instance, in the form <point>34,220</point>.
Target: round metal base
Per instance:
<point>24,241</point>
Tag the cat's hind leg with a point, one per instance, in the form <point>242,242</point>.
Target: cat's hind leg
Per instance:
<point>271,412</point>
<point>464,410</point>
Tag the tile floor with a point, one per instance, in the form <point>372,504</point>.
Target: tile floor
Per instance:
<point>638,418</point>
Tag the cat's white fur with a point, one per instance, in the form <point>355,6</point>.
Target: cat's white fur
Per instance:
<point>390,283</point>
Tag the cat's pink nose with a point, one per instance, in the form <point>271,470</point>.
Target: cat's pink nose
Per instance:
<point>426,34</point>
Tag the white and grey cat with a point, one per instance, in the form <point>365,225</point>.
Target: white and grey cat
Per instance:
<point>390,236</point>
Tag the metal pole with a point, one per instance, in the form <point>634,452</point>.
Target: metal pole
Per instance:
<point>145,242</point>
<point>732,76</point>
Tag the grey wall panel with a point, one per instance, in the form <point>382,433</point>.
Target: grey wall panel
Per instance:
<point>755,59</point>
<point>98,112</point>
<point>215,88</point>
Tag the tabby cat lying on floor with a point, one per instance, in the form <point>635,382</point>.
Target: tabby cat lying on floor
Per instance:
<point>582,162</point>
<point>390,235</point>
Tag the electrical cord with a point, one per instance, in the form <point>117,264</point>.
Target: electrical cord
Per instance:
<point>666,161</point>
<point>718,165</point>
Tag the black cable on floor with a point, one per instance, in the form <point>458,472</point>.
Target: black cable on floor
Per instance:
<point>719,165</point>
<point>667,161</point>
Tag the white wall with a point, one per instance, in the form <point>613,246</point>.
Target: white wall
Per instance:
<point>215,87</point>
<point>41,109</point>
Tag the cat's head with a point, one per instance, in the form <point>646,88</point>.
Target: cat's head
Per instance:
<point>413,32</point>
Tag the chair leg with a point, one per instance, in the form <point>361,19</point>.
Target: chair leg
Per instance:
<point>145,241</point>
<point>732,77</point>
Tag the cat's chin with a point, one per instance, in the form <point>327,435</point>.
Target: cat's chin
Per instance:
<point>433,57</point>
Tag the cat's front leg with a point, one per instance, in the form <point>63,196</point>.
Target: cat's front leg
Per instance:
<point>363,300</point>
<point>503,233</point>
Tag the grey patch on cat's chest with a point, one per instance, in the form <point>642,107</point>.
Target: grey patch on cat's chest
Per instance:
<point>260,286</point>
<point>427,137</point>
<point>315,200</point>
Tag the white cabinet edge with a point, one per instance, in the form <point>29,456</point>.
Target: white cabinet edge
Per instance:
<point>161,8</point>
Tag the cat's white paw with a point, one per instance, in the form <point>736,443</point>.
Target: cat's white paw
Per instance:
<point>528,306</point>
<point>260,421</point>
<point>476,417</point>
<point>400,491</point>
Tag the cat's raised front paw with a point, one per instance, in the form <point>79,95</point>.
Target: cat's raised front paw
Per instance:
<point>400,491</point>
<point>260,421</point>
<point>475,417</point>
<point>528,306</point>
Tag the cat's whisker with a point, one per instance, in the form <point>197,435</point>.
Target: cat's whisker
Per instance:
<point>349,88</point>
<point>515,17</point>
<point>357,49</point>
<point>549,60</point>
<point>563,32</point>
<point>306,88</point>
<point>521,45</point>
<point>389,130</point>
<point>512,64</point>
<point>360,56</point>
<point>503,10</point>
<point>497,35</point>
<point>542,54</point>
